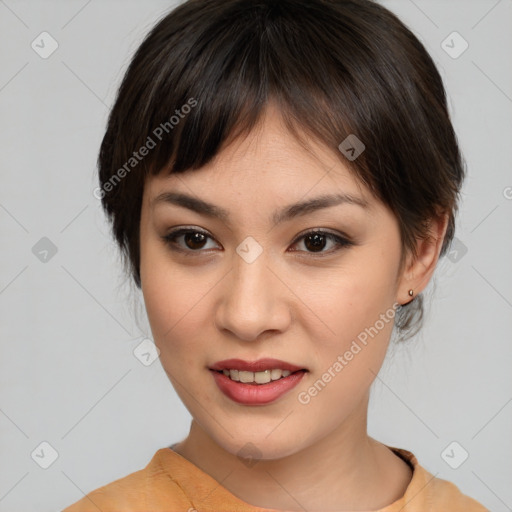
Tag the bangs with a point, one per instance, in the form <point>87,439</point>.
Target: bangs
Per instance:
<point>211,84</point>
<point>336,71</point>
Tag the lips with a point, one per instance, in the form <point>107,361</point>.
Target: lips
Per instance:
<point>255,366</point>
<point>252,394</point>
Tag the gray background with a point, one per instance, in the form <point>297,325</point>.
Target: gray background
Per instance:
<point>68,373</point>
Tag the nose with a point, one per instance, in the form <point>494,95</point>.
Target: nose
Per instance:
<point>253,300</point>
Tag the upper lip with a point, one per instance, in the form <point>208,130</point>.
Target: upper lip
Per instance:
<point>254,366</point>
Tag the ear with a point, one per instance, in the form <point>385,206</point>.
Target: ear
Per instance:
<point>418,270</point>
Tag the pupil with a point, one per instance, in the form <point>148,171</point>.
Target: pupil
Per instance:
<point>315,242</point>
<point>318,241</point>
<point>194,238</point>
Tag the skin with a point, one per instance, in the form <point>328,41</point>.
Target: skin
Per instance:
<point>291,304</point>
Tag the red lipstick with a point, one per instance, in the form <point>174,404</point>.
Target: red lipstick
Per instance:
<point>254,366</point>
<point>251,393</point>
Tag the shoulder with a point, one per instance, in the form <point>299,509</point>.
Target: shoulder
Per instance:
<point>427,492</point>
<point>446,495</point>
<point>124,493</point>
<point>134,492</point>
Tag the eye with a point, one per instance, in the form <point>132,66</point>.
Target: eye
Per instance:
<point>315,241</point>
<point>195,241</point>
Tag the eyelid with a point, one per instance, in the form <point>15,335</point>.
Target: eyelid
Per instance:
<point>183,230</point>
<point>322,231</point>
<point>341,240</point>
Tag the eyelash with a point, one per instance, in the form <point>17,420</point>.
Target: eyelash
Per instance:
<point>342,242</point>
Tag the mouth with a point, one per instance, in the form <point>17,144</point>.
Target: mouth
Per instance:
<point>256,382</point>
<point>257,378</point>
<point>261,371</point>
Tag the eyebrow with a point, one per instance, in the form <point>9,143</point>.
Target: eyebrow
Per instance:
<point>285,214</point>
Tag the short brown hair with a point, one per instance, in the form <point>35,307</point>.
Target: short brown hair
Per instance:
<point>333,67</point>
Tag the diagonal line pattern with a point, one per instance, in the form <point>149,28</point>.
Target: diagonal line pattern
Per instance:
<point>85,495</point>
<point>275,428</point>
<point>96,300</point>
<point>486,14</point>
<point>13,13</point>
<point>173,378</point>
<point>509,508</point>
<point>491,419</point>
<point>421,490</point>
<point>493,287</point>
<point>14,218</point>
<point>74,218</point>
<point>424,13</point>
<point>492,81</point>
<point>104,395</point>
<point>376,376</point>
<point>13,279</point>
<point>76,14</point>
<point>492,211</point>
<point>204,498</point>
<point>17,426</point>
<point>80,80</point>
<point>14,486</point>
<point>285,490</point>
<point>14,76</point>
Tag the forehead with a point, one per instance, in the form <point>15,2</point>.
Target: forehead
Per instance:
<point>268,160</point>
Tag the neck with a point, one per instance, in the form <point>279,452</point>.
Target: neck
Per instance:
<point>333,473</point>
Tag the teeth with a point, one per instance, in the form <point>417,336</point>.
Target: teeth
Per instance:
<point>246,376</point>
<point>256,377</point>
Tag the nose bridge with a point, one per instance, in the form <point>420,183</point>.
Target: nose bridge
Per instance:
<point>252,301</point>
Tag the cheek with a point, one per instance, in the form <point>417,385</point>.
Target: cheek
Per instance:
<point>169,307</point>
<point>347,362</point>
<point>176,300</point>
<point>352,298</point>
<point>357,313</point>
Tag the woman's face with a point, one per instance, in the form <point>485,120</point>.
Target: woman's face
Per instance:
<point>255,288</point>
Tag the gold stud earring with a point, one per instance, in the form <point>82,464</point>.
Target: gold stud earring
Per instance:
<point>411,293</point>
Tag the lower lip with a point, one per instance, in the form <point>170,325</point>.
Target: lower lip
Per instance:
<point>256,394</point>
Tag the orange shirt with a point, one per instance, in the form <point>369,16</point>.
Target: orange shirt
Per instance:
<point>171,483</point>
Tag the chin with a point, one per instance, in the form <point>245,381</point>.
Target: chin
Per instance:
<point>259,446</point>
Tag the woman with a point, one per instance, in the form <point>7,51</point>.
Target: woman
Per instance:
<point>282,178</point>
